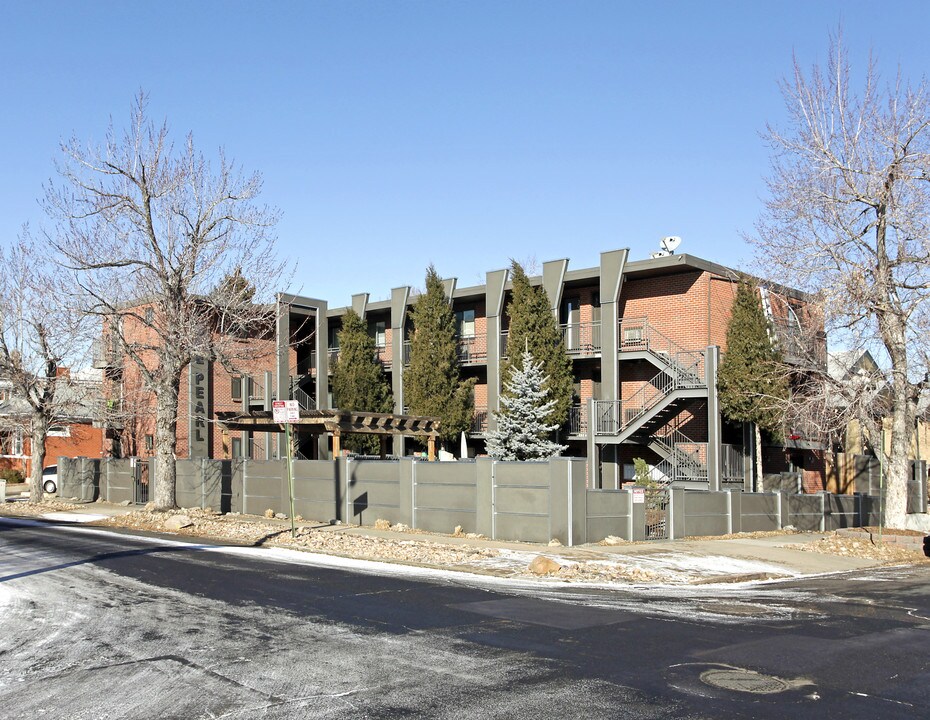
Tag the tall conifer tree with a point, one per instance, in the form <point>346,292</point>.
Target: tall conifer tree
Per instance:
<point>522,431</point>
<point>432,384</point>
<point>358,379</point>
<point>533,327</point>
<point>750,381</point>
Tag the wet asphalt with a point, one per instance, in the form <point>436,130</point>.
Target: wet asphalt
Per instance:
<point>100,625</point>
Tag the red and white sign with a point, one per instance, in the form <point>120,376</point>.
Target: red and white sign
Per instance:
<point>285,411</point>
<point>639,496</point>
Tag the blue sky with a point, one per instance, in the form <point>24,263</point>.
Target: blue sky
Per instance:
<point>392,135</point>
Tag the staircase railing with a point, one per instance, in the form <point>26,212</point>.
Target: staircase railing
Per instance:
<point>638,334</point>
<point>681,375</point>
<point>304,400</point>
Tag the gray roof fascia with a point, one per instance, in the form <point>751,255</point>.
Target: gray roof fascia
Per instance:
<point>635,268</point>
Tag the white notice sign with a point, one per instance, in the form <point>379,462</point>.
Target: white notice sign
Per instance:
<point>639,496</point>
<point>285,411</point>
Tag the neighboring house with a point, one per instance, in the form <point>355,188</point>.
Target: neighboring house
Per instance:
<point>858,369</point>
<point>81,433</point>
<point>644,337</point>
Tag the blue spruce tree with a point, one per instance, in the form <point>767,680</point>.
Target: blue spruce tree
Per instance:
<point>522,431</point>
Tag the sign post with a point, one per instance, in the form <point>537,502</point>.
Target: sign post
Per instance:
<point>286,412</point>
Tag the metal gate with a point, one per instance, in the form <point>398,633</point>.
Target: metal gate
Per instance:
<point>657,519</point>
<point>141,482</point>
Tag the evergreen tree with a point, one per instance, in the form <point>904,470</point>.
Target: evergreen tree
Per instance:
<point>358,379</point>
<point>750,382</point>
<point>432,385</point>
<point>533,327</point>
<point>522,430</point>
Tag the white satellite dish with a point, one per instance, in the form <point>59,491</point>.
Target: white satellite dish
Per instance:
<point>670,243</point>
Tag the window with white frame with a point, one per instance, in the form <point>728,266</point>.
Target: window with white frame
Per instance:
<point>59,431</point>
<point>11,442</point>
<point>465,323</point>
<point>378,330</point>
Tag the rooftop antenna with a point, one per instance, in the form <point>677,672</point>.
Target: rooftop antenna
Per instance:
<point>667,246</point>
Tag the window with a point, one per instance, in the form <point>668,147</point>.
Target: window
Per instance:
<point>378,330</point>
<point>237,447</point>
<point>59,431</point>
<point>465,323</point>
<point>149,443</point>
<point>11,442</point>
<point>235,390</point>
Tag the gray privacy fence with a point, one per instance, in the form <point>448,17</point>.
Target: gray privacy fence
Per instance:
<point>527,501</point>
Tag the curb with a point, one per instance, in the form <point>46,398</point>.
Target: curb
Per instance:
<point>911,541</point>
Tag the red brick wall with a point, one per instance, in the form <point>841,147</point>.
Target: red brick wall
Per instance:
<point>676,305</point>
<point>84,440</point>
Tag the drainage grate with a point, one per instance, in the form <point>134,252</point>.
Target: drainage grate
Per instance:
<point>746,681</point>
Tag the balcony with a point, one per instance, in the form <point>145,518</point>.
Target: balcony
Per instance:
<point>469,352</point>
<point>479,421</point>
<point>104,354</point>
<point>578,420</point>
<point>504,334</point>
<point>582,339</point>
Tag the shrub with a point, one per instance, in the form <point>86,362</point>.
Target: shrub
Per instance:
<point>12,476</point>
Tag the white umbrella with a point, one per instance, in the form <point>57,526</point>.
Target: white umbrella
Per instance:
<point>464,452</point>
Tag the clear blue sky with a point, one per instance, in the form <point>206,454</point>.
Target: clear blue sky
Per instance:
<point>392,135</point>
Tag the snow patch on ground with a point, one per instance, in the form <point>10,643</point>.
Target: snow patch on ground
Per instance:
<point>73,517</point>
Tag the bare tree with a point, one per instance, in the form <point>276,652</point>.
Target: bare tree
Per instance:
<point>40,332</point>
<point>848,217</point>
<point>151,231</point>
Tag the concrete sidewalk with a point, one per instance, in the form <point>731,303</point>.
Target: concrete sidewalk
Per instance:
<point>732,559</point>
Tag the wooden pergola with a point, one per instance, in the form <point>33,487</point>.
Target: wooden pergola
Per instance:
<point>337,422</point>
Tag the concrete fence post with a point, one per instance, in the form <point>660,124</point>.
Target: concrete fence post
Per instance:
<point>779,510</point>
<point>729,512</point>
<point>676,513</point>
<point>483,496</point>
<point>671,513</point>
<point>347,463</point>
<point>407,491</point>
<point>736,511</point>
<point>823,511</point>
<point>638,518</point>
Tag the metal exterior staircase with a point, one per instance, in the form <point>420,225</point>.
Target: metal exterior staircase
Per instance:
<point>650,416</point>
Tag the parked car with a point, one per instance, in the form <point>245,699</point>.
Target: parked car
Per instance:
<point>50,479</point>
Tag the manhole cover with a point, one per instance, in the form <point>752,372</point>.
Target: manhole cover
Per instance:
<point>744,681</point>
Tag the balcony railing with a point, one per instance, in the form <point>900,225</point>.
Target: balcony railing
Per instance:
<point>578,420</point>
<point>470,351</point>
<point>104,354</point>
<point>504,335</point>
<point>479,420</point>
<point>582,339</point>
<point>606,417</point>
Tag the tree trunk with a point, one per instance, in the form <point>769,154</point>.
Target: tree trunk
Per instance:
<point>166,438</point>
<point>896,467</point>
<point>37,440</point>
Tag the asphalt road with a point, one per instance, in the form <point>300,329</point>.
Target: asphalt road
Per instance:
<point>98,625</point>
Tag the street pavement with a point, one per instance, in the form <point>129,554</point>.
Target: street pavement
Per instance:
<point>104,625</point>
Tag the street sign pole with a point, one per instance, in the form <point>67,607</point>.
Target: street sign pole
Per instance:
<point>286,412</point>
<point>290,476</point>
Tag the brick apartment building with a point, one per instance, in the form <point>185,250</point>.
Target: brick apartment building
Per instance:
<point>644,336</point>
